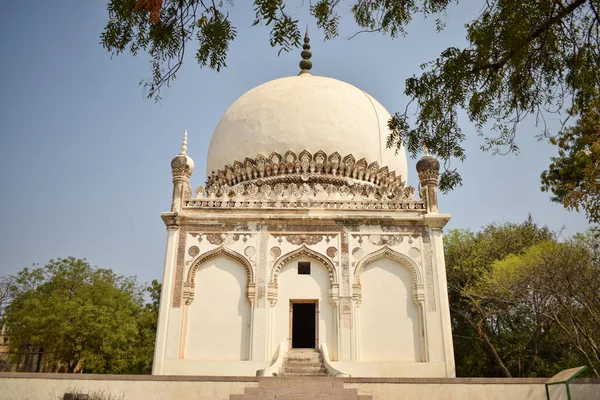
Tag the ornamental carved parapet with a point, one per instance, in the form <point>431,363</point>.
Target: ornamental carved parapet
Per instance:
<point>304,167</point>
<point>349,196</point>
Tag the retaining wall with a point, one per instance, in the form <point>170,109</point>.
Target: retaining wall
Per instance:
<point>31,386</point>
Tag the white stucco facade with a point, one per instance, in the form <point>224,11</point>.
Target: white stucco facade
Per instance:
<point>305,233</point>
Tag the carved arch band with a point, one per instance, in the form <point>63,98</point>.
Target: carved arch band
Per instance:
<point>291,256</point>
<point>189,285</point>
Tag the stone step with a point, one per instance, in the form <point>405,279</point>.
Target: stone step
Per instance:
<point>302,361</point>
<point>298,397</point>
<point>321,382</point>
<point>303,353</point>
<point>303,357</point>
<point>305,362</point>
<point>296,374</point>
<point>307,370</point>
<point>300,390</point>
<point>300,364</point>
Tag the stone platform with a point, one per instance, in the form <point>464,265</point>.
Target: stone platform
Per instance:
<point>300,388</point>
<point>31,386</point>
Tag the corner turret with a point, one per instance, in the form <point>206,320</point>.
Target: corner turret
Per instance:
<point>428,169</point>
<point>182,167</point>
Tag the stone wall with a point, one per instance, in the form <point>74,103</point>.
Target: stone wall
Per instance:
<point>471,388</point>
<point>21,386</point>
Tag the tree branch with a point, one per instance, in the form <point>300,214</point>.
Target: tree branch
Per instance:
<point>532,36</point>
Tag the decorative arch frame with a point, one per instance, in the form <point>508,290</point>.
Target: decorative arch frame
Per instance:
<point>190,284</point>
<point>292,255</point>
<point>385,252</point>
<point>418,289</point>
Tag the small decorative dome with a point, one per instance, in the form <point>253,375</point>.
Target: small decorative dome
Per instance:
<point>428,169</point>
<point>182,162</point>
<point>305,112</point>
<point>428,163</point>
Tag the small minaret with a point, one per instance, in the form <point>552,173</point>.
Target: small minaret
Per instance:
<point>181,168</point>
<point>306,64</point>
<point>429,173</point>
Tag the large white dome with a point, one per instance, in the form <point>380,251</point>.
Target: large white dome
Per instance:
<point>304,112</point>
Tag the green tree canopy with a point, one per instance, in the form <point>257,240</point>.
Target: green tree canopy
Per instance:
<point>479,348</point>
<point>81,316</point>
<point>573,177</point>
<point>523,303</point>
<point>551,293</point>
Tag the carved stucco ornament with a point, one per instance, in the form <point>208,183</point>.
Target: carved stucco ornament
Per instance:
<point>380,239</point>
<point>194,251</point>
<point>303,239</point>
<point>317,168</point>
<point>305,181</point>
<point>331,252</point>
<point>355,196</point>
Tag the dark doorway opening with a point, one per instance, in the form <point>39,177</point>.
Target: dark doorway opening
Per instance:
<point>304,316</point>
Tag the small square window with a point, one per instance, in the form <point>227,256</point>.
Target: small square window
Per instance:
<point>303,268</point>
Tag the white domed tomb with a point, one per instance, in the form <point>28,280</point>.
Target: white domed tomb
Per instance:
<point>305,241</point>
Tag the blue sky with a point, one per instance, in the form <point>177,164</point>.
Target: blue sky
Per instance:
<point>85,158</point>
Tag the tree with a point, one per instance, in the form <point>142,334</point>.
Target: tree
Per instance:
<point>574,176</point>
<point>480,348</point>
<point>522,302</point>
<point>6,283</point>
<point>80,317</point>
<point>552,290</point>
<point>143,349</point>
<point>524,57</point>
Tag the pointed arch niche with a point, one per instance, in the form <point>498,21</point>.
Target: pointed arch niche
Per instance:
<point>390,327</point>
<point>287,287</point>
<point>221,251</point>
<point>303,251</point>
<point>217,313</point>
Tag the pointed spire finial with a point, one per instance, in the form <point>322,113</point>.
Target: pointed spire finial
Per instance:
<point>425,150</point>
<point>184,144</point>
<point>306,64</point>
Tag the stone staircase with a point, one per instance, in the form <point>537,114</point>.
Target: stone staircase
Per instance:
<point>300,388</point>
<point>303,362</point>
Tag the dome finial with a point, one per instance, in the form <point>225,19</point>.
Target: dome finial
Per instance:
<point>306,64</point>
<point>184,144</point>
<point>425,150</point>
